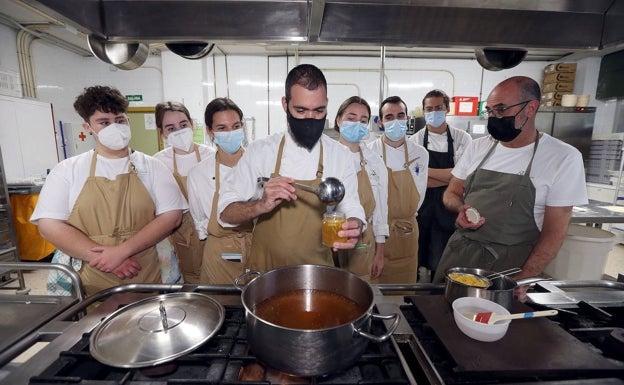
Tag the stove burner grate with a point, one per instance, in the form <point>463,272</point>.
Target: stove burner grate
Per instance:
<point>221,360</point>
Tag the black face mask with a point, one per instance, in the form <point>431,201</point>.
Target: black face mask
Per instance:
<point>305,132</point>
<point>504,129</point>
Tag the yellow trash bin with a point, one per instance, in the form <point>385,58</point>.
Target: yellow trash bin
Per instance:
<point>31,246</point>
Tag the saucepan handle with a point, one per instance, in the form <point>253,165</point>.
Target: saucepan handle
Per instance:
<point>387,334</point>
<point>243,277</point>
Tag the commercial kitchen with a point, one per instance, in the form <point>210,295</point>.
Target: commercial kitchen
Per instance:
<point>193,51</point>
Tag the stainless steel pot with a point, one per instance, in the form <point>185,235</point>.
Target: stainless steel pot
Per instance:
<point>310,352</point>
<point>501,291</point>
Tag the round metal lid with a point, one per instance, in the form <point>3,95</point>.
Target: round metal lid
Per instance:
<point>156,330</point>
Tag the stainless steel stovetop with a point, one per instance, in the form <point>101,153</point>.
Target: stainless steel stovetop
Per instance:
<point>406,359</point>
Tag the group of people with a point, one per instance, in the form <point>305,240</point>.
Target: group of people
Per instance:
<point>200,214</point>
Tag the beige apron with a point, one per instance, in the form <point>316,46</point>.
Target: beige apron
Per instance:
<point>110,212</point>
<point>186,243</point>
<point>509,233</point>
<point>226,248</point>
<point>401,250</point>
<point>360,259</point>
<point>291,235</point>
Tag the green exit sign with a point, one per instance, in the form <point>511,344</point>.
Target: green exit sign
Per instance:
<point>134,98</point>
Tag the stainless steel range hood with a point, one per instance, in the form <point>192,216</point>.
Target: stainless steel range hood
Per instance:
<point>567,26</point>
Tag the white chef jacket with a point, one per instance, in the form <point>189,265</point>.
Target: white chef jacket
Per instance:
<point>439,142</point>
<point>395,158</point>
<point>378,176</point>
<point>201,185</point>
<point>298,163</point>
<point>66,180</point>
<point>185,162</point>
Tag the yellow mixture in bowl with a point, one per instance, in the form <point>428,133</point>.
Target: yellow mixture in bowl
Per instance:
<point>469,279</point>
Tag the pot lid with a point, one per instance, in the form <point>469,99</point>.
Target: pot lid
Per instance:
<point>156,330</point>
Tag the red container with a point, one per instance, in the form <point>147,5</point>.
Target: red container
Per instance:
<point>466,105</point>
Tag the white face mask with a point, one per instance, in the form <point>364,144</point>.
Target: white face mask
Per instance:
<point>181,139</point>
<point>114,136</point>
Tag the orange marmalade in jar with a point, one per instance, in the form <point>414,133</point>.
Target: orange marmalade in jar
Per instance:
<point>332,224</point>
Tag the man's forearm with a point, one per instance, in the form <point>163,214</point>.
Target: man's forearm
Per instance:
<point>453,195</point>
<point>554,230</point>
<point>241,212</point>
<point>440,174</point>
<point>155,231</point>
<point>66,238</point>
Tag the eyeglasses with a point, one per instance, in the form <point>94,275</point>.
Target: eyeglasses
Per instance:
<point>439,107</point>
<point>498,112</point>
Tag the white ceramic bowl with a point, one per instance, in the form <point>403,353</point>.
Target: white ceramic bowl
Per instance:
<point>477,330</point>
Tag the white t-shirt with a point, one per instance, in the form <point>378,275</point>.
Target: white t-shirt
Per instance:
<point>378,176</point>
<point>395,160</point>
<point>439,142</point>
<point>201,184</point>
<point>66,180</point>
<point>185,162</point>
<point>297,162</point>
<point>557,171</point>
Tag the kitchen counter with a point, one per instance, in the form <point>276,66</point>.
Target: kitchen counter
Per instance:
<point>597,213</point>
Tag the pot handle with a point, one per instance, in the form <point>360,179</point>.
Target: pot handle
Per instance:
<point>242,277</point>
<point>531,280</point>
<point>387,334</point>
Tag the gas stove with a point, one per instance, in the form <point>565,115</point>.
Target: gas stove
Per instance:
<point>425,349</point>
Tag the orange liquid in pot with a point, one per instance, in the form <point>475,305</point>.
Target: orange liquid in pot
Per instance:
<point>308,309</point>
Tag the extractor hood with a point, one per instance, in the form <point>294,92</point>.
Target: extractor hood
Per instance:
<point>568,26</point>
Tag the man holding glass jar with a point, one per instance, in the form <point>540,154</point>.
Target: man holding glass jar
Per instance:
<point>407,164</point>
<point>288,220</point>
<point>445,145</point>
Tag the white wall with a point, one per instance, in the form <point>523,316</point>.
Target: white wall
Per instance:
<point>256,83</point>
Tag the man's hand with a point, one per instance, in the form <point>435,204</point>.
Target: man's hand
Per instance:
<point>128,269</point>
<point>463,222</point>
<point>108,258</point>
<point>277,190</point>
<point>351,229</point>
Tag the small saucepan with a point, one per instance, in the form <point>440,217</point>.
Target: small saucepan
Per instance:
<point>500,291</point>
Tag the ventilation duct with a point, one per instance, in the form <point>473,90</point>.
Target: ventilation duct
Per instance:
<point>496,59</point>
<point>191,50</point>
<point>125,56</point>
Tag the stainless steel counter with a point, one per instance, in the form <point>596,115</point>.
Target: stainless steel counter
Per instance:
<point>597,213</point>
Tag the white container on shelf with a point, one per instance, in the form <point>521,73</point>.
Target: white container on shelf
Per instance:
<point>583,254</point>
<point>582,100</point>
<point>568,100</point>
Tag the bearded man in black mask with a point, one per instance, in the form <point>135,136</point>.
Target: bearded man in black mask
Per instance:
<point>288,220</point>
<point>522,183</point>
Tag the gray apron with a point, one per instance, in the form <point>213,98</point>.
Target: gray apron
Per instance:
<point>509,233</point>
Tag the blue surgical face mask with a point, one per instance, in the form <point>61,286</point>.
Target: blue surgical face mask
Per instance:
<point>435,118</point>
<point>229,141</point>
<point>353,132</point>
<point>395,129</point>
